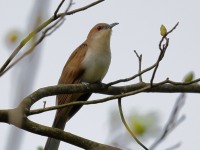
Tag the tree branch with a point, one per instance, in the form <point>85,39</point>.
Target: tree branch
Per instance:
<point>163,48</point>
<point>23,110</point>
<point>118,92</point>
<point>33,127</point>
<point>41,27</point>
<point>48,31</point>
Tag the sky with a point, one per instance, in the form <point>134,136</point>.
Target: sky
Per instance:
<point>138,29</point>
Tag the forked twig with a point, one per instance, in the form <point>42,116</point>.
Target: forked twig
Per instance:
<point>163,47</point>
<point>140,65</point>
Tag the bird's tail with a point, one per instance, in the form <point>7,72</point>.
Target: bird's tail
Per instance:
<point>59,122</point>
<point>61,117</point>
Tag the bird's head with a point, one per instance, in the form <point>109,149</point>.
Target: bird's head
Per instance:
<point>101,32</point>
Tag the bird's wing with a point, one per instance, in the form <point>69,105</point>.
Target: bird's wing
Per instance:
<point>73,70</point>
<point>71,74</point>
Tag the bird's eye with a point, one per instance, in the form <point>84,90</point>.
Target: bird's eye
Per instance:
<point>99,28</point>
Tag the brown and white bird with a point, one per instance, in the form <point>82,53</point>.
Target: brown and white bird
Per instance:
<point>89,63</point>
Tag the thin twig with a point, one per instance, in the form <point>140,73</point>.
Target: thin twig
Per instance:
<point>140,65</point>
<point>58,24</point>
<point>37,111</point>
<point>44,34</point>
<point>162,53</point>
<point>58,8</point>
<point>127,127</point>
<point>47,32</point>
<point>132,77</point>
<point>44,104</point>
<point>145,70</point>
<point>80,9</point>
<point>39,28</point>
<point>184,83</point>
<point>163,47</point>
<point>163,38</point>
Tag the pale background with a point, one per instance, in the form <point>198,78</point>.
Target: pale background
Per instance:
<point>138,29</point>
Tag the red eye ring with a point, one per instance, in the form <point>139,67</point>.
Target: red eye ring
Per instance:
<point>99,28</point>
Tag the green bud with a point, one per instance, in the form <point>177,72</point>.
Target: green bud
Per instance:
<point>163,30</point>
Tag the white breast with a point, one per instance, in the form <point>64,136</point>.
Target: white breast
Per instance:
<point>96,64</point>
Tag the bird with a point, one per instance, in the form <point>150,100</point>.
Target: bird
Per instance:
<point>88,63</point>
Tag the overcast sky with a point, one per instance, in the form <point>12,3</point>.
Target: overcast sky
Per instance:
<point>138,29</point>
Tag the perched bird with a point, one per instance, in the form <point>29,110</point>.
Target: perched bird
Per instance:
<point>89,63</point>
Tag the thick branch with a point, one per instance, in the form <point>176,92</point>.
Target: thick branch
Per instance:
<point>33,127</point>
<point>167,87</point>
<point>23,110</point>
<point>121,91</point>
<point>63,136</point>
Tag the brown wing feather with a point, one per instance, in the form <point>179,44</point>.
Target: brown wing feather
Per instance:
<point>71,74</point>
<point>73,70</point>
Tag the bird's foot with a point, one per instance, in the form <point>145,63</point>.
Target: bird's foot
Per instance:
<point>99,83</point>
<point>86,84</point>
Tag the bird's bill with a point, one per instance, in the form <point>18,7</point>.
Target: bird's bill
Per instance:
<point>113,24</point>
